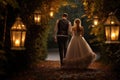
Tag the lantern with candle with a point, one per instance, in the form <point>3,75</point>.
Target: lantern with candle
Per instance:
<point>37,16</point>
<point>51,12</point>
<point>112,29</point>
<point>18,34</point>
<point>95,21</point>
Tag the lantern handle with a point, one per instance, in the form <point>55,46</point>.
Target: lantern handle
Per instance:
<point>115,11</point>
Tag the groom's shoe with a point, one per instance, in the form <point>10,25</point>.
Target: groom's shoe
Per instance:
<point>62,64</point>
<point>63,67</point>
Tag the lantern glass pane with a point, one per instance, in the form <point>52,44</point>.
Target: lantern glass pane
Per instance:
<point>16,37</point>
<point>37,18</point>
<point>23,38</point>
<point>96,22</point>
<point>114,32</point>
<point>107,33</point>
<point>51,13</point>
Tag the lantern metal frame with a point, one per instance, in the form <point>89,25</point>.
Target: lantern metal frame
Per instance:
<point>18,35</point>
<point>112,29</point>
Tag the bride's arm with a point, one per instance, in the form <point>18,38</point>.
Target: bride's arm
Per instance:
<point>72,31</point>
<point>82,31</point>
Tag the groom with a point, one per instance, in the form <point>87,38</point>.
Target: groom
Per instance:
<point>62,30</point>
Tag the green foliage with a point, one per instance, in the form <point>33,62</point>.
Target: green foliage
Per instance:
<point>110,54</point>
<point>101,8</point>
<point>74,10</point>
<point>116,60</point>
<point>12,3</point>
<point>37,35</point>
<point>36,42</point>
<point>98,32</point>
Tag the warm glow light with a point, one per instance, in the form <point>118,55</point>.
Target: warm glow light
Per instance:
<point>64,3</point>
<point>37,16</point>
<point>113,36</point>
<point>84,3</point>
<point>37,19</point>
<point>17,43</point>
<point>51,13</point>
<point>95,22</point>
<point>112,33</point>
<point>112,22</point>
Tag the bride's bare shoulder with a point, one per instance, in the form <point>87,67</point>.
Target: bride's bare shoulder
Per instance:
<point>73,28</point>
<point>81,27</point>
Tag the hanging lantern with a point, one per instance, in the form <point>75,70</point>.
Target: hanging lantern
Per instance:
<point>112,29</point>
<point>18,34</point>
<point>95,21</point>
<point>51,12</point>
<point>37,17</point>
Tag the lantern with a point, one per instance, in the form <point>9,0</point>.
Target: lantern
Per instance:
<point>95,21</point>
<point>51,12</point>
<point>112,29</point>
<point>37,17</point>
<point>18,34</point>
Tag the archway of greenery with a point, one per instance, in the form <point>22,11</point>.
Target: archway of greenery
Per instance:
<point>37,35</point>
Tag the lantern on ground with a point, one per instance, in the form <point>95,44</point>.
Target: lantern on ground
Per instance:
<point>18,34</point>
<point>112,29</point>
<point>37,16</point>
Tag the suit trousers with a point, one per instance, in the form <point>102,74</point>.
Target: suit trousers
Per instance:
<point>62,45</point>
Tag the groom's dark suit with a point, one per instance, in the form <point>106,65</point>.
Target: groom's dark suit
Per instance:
<point>62,37</point>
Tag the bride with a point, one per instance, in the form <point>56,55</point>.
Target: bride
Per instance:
<point>79,53</point>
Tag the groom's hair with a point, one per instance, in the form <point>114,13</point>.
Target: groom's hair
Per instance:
<point>65,15</point>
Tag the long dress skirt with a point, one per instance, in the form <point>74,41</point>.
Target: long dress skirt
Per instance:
<point>79,53</point>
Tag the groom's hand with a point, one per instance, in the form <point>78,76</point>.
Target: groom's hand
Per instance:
<point>55,39</point>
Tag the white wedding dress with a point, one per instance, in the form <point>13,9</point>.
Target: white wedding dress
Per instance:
<point>79,53</point>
